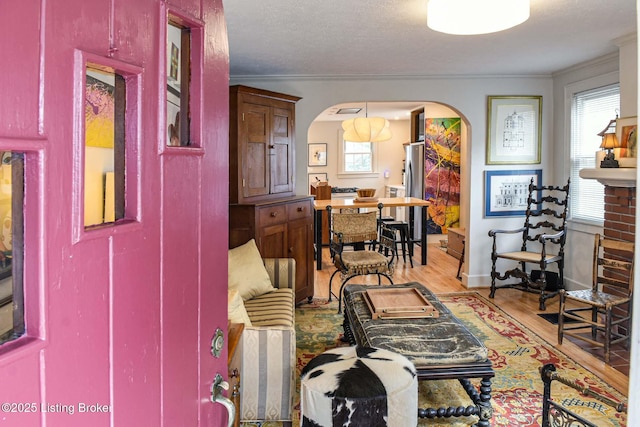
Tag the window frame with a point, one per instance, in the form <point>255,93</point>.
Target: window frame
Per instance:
<point>175,16</point>
<point>571,90</point>
<point>341,160</point>
<point>33,339</point>
<point>131,216</point>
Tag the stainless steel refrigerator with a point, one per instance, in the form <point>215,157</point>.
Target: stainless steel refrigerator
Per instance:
<point>414,180</point>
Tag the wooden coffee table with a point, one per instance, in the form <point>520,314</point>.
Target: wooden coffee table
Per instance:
<point>440,348</point>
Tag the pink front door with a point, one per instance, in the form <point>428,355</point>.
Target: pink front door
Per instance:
<point>119,318</point>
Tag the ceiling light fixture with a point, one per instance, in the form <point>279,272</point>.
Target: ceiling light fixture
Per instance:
<point>366,129</point>
<point>354,110</point>
<point>466,17</point>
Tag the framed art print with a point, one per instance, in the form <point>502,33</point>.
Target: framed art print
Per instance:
<point>506,191</point>
<point>627,133</point>
<point>317,177</point>
<point>317,154</point>
<point>514,129</point>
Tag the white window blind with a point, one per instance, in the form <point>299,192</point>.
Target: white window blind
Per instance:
<point>591,111</point>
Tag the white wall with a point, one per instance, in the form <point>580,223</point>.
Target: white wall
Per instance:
<point>628,47</point>
<point>465,95</point>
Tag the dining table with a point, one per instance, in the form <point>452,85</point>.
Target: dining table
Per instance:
<point>372,202</point>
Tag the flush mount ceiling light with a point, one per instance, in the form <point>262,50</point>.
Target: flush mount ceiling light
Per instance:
<point>366,129</point>
<point>466,17</point>
<point>354,110</point>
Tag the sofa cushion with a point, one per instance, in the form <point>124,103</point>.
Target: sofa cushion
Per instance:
<point>274,309</point>
<point>246,271</point>
<point>236,311</point>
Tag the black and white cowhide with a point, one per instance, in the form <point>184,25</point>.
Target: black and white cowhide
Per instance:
<point>359,386</point>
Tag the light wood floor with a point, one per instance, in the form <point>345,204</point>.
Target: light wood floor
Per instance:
<point>439,276</point>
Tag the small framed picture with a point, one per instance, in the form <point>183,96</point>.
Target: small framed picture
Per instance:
<point>316,177</point>
<point>506,191</point>
<point>627,133</point>
<point>317,154</point>
<point>514,129</point>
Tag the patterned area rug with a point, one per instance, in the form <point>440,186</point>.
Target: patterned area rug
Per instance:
<point>516,353</point>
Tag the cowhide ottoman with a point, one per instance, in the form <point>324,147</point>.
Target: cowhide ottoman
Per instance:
<point>359,386</point>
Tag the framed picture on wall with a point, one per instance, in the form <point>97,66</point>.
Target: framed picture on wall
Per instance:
<point>506,191</point>
<point>627,133</point>
<point>316,177</point>
<point>514,129</point>
<point>318,154</point>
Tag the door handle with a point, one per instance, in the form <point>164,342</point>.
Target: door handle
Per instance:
<point>216,397</point>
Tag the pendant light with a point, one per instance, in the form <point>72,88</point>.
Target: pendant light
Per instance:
<point>366,129</point>
<point>466,17</point>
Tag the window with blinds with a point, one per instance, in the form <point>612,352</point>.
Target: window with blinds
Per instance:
<point>591,111</point>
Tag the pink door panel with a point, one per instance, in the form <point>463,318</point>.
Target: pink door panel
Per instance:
<point>119,319</point>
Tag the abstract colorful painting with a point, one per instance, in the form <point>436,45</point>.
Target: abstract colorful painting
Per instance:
<point>442,173</point>
<point>99,113</point>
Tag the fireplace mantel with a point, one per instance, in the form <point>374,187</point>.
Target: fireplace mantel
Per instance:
<point>613,177</point>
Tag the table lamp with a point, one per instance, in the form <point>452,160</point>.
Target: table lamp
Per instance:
<point>609,142</point>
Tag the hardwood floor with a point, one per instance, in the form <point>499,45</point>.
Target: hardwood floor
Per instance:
<point>440,277</point>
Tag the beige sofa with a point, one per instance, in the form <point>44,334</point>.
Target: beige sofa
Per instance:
<point>266,354</point>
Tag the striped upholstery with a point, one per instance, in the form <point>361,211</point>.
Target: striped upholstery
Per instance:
<point>272,309</point>
<point>282,272</point>
<point>268,349</point>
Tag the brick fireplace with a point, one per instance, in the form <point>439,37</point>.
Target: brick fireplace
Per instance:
<point>620,213</point>
<point>619,221</point>
<point>619,203</point>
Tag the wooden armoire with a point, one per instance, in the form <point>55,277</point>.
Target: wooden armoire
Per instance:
<point>262,200</point>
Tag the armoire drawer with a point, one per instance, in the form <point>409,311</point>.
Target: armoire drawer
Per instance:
<point>299,210</point>
<point>273,214</point>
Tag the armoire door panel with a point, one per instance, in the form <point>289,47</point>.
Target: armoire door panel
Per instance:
<point>256,150</point>
<point>273,241</point>
<point>282,161</point>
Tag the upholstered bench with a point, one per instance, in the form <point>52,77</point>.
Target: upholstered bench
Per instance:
<point>358,387</point>
<point>439,347</point>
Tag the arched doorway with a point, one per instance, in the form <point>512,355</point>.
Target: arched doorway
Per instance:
<point>443,133</point>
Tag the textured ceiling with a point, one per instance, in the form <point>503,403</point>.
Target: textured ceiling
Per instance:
<point>391,38</point>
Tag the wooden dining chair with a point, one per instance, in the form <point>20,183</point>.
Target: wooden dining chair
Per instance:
<point>602,315</point>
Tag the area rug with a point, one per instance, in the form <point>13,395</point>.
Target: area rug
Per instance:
<point>515,351</point>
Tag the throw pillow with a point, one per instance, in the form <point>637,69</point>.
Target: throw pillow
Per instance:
<point>247,273</point>
<point>237,313</point>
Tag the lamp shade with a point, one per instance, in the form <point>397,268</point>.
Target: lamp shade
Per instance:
<point>465,17</point>
<point>366,129</point>
<point>609,141</point>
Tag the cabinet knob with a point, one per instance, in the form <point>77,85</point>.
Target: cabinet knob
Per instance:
<point>300,209</point>
<point>291,249</point>
<point>274,214</point>
<point>271,147</point>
